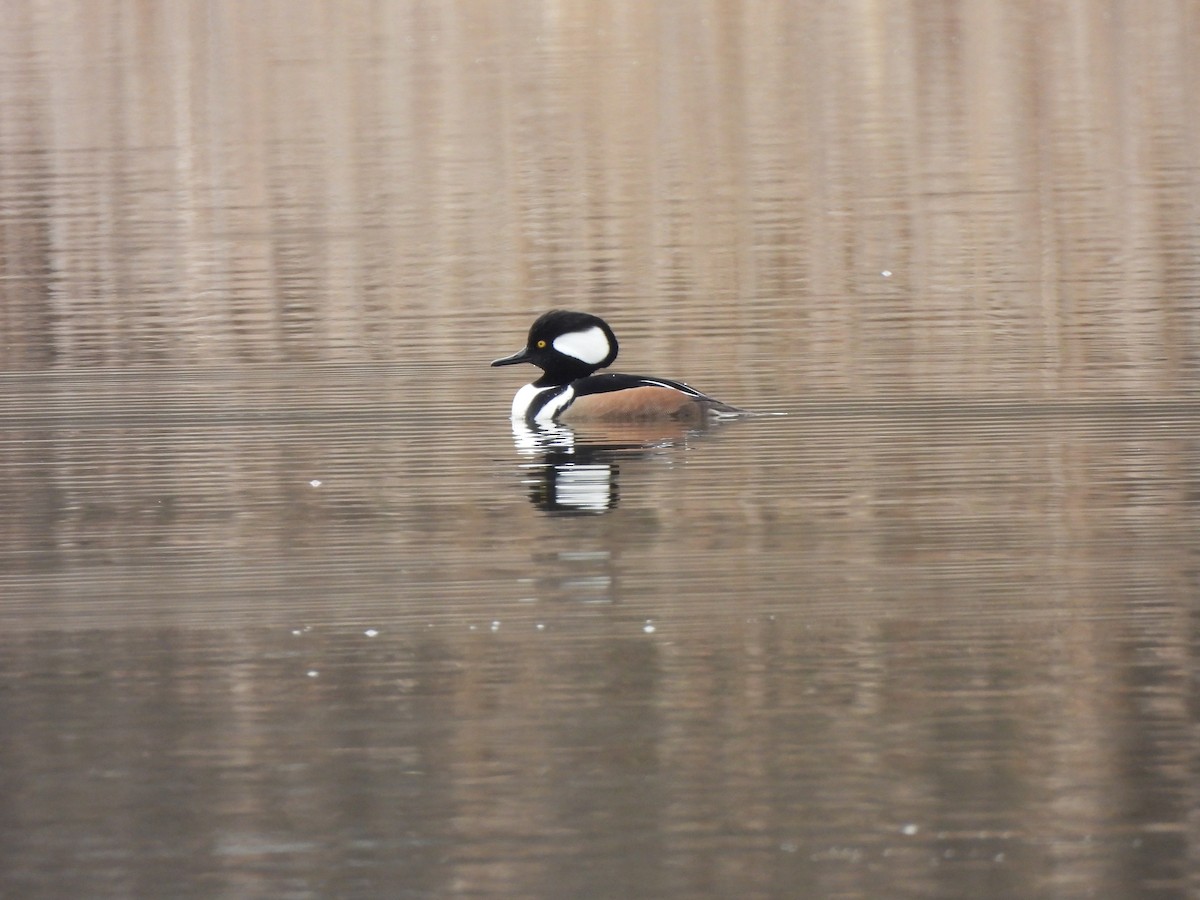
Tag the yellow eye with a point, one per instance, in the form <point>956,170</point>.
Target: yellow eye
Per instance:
<point>541,345</point>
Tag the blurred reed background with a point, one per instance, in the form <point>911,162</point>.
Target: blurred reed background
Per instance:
<point>936,197</point>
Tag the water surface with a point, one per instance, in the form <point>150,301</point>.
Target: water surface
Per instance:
<point>289,609</point>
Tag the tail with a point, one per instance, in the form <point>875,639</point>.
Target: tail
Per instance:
<point>718,410</point>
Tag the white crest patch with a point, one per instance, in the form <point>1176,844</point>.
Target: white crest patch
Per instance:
<point>589,346</point>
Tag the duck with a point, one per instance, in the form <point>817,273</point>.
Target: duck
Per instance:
<point>570,347</point>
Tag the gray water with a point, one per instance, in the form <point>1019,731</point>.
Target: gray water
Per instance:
<point>289,609</point>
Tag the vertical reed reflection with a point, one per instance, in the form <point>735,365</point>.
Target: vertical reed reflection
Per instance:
<point>887,196</point>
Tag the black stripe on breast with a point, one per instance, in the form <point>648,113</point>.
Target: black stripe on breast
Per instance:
<point>540,401</point>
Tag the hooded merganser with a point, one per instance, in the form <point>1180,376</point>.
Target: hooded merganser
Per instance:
<point>568,347</point>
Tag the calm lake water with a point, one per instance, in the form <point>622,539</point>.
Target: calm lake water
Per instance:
<point>288,609</point>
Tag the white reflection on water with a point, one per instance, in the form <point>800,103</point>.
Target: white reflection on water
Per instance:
<point>577,470</point>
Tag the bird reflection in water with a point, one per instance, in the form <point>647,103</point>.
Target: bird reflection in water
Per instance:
<point>574,471</point>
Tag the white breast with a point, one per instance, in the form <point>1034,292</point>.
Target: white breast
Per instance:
<point>524,399</point>
<point>528,396</point>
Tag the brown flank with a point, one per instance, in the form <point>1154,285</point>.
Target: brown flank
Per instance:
<point>641,404</point>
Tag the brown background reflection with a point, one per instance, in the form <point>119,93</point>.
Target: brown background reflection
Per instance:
<point>283,611</point>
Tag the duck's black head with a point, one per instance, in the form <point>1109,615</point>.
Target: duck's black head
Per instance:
<point>566,345</point>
